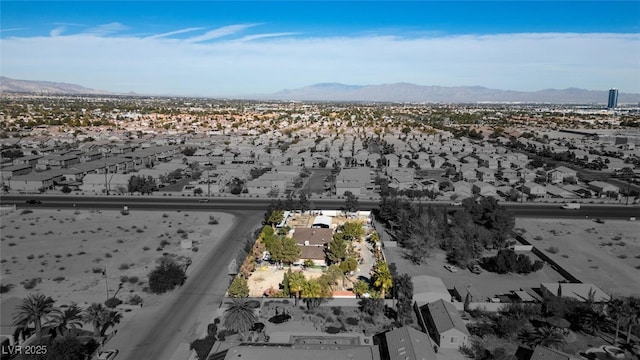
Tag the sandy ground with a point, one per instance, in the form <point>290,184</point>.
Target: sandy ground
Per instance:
<point>607,255</point>
<point>67,250</point>
<point>488,284</point>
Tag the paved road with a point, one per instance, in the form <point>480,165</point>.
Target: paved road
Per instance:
<point>166,328</point>
<point>260,204</point>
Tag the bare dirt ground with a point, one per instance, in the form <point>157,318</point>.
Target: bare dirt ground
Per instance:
<point>607,254</point>
<point>66,251</point>
<point>486,283</point>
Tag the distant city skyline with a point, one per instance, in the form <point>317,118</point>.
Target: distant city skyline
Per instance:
<point>212,48</point>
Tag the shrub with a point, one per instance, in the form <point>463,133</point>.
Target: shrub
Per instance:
<point>26,211</point>
<point>552,249</point>
<point>30,257</point>
<point>133,279</point>
<point>167,276</point>
<point>508,261</point>
<point>135,300</point>
<point>239,287</point>
<point>112,302</point>
<point>97,270</point>
<point>58,278</point>
<point>124,266</point>
<point>31,283</point>
<point>124,278</point>
<point>5,288</point>
<point>145,248</point>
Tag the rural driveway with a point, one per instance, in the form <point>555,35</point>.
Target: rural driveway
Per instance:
<point>169,323</point>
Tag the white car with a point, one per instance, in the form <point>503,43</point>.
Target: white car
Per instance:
<point>451,268</point>
<point>456,203</point>
<point>107,354</point>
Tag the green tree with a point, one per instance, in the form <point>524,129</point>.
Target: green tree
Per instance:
<point>403,286</point>
<point>94,315</point>
<point>296,283</point>
<point>62,320</point>
<point>382,279</point>
<point>348,265</point>
<point>544,336</point>
<point>34,309</point>
<point>361,287</point>
<point>290,251</point>
<point>166,277</point>
<point>239,287</point>
<point>312,292</point>
<point>275,217</point>
<point>352,230</point>
<point>350,202</point>
<point>109,318</point>
<point>239,316</point>
<point>67,348</point>
<point>303,202</point>
<point>618,310</point>
<point>337,249</point>
<point>373,306</point>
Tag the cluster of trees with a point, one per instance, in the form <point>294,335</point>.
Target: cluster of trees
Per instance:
<point>544,324</point>
<point>60,325</point>
<point>480,224</point>
<point>312,291</point>
<point>142,184</point>
<point>282,249</point>
<point>507,261</point>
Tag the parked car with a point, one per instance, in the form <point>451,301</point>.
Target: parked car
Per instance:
<point>456,203</point>
<point>475,268</point>
<point>204,200</point>
<point>451,268</point>
<point>34,202</point>
<point>107,354</point>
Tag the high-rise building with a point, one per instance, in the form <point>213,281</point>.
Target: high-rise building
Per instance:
<point>613,98</point>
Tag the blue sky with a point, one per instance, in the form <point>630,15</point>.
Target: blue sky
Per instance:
<point>211,48</point>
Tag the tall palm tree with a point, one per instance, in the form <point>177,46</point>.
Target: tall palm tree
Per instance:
<point>34,309</point>
<point>618,309</point>
<point>109,318</point>
<point>382,278</point>
<point>296,281</point>
<point>65,319</point>
<point>94,314</point>
<point>312,292</point>
<point>239,316</point>
<point>544,336</point>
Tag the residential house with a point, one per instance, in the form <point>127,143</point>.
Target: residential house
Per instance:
<point>34,182</point>
<point>355,180</point>
<point>443,323</point>
<point>405,343</point>
<point>484,189</point>
<point>101,183</point>
<point>427,289</point>
<point>485,174</point>
<point>534,190</point>
<point>602,188</point>
<point>461,294</point>
<point>559,174</point>
<point>542,353</point>
<point>312,242</point>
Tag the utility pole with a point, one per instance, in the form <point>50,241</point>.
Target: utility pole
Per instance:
<point>106,285</point>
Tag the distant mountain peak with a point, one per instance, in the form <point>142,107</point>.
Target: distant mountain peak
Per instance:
<point>46,87</point>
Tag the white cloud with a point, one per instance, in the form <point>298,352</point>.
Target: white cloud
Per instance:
<point>227,67</point>
<point>57,31</point>
<point>220,32</point>
<point>267,35</point>
<point>176,32</point>
<point>106,29</point>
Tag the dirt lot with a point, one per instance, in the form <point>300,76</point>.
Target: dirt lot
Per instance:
<point>607,254</point>
<point>66,251</point>
<point>486,283</point>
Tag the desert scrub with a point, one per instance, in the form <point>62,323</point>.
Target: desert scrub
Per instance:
<point>552,250</point>
<point>124,267</point>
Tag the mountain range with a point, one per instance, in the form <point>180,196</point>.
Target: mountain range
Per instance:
<point>398,92</point>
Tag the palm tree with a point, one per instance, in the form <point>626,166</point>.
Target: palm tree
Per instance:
<point>312,292</point>
<point>109,318</point>
<point>382,278</point>
<point>296,281</point>
<point>94,314</point>
<point>65,319</point>
<point>239,316</point>
<point>34,308</point>
<point>618,309</point>
<point>634,315</point>
<point>544,336</point>
<point>361,287</point>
